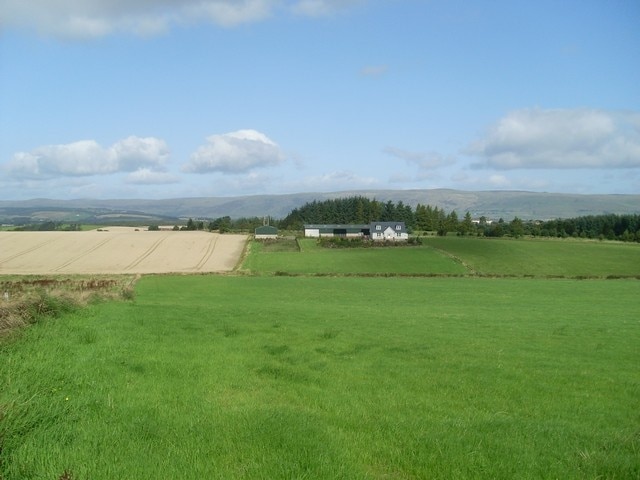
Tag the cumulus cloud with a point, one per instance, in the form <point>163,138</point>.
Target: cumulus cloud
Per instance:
<point>321,7</point>
<point>580,138</point>
<point>97,18</point>
<point>235,152</point>
<point>146,176</point>
<point>87,157</point>
<point>424,160</point>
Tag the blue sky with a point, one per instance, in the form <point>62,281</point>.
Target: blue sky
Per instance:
<point>181,98</point>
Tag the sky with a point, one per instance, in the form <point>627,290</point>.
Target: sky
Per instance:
<point>216,98</point>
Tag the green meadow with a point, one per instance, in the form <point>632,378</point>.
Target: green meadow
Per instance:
<point>542,257</point>
<point>450,256</point>
<point>306,257</point>
<point>267,376</point>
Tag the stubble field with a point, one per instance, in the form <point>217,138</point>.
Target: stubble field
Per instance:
<point>118,250</point>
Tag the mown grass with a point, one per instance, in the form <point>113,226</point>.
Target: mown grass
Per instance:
<point>314,377</point>
<point>542,257</point>
<point>314,259</point>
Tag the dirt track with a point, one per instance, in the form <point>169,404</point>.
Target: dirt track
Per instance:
<point>118,250</point>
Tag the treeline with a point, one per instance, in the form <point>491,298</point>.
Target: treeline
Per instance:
<point>221,224</point>
<point>424,219</point>
<point>427,218</point>
<point>358,210</point>
<point>604,227</point>
<point>362,210</point>
<point>49,226</point>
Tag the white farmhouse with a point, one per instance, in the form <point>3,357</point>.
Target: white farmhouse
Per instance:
<point>393,231</point>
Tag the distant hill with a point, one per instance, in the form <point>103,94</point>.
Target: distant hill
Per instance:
<point>491,204</point>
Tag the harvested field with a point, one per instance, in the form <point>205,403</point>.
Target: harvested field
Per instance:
<point>114,250</point>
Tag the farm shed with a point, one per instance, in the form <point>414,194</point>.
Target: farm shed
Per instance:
<point>265,232</point>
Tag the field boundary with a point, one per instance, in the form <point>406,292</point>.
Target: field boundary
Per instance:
<point>456,259</point>
<point>280,273</point>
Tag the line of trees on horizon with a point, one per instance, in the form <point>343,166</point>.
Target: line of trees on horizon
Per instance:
<point>432,219</point>
<point>421,220</point>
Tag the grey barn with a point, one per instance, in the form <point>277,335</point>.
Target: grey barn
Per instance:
<point>378,231</point>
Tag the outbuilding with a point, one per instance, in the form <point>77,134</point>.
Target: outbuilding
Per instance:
<point>336,230</point>
<point>266,232</point>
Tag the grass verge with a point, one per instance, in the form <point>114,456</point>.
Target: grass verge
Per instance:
<point>27,300</point>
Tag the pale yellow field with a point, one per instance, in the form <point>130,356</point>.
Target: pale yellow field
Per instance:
<point>118,250</point>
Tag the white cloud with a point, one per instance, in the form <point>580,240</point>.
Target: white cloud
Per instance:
<point>424,160</point>
<point>97,18</point>
<point>229,13</point>
<point>135,152</point>
<point>580,138</point>
<point>235,152</point>
<point>499,181</point>
<point>146,176</point>
<point>87,157</point>
<point>336,180</point>
<point>317,8</point>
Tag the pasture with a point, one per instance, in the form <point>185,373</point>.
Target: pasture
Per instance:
<point>310,258</point>
<point>541,257</point>
<point>455,256</point>
<point>354,377</point>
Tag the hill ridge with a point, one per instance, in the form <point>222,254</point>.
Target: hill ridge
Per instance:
<point>494,204</point>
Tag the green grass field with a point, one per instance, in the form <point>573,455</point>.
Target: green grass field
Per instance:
<point>313,259</point>
<point>279,377</point>
<point>542,257</point>
<point>453,256</point>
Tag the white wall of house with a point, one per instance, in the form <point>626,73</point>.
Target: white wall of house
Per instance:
<point>389,234</point>
<point>312,232</point>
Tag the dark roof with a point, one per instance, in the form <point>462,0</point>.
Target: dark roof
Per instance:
<point>338,228</point>
<point>326,228</point>
<point>392,225</point>
<point>266,230</point>
<point>336,225</point>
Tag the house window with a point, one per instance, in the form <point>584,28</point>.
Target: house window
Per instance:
<point>378,227</point>
<point>398,227</point>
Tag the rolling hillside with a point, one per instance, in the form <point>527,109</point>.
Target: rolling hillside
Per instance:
<point>492,204</point>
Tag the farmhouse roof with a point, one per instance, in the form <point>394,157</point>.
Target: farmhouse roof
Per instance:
<point>393,225</point>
